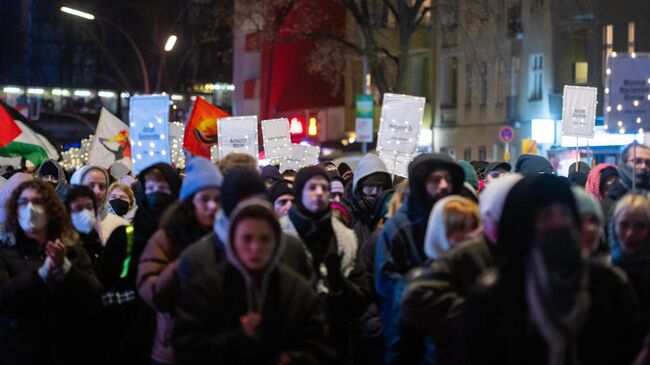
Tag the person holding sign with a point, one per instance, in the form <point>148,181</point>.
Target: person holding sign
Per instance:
<point>401,244</point>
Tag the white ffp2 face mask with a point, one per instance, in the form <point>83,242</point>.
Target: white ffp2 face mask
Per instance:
<point>84,221</point>
<point>31,218</point>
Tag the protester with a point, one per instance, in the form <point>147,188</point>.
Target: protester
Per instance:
<point>250,309</point>
<point>281,194</point>
<point>592,231</point>
<point>332,249</point>
<point>545,304</point>
<point>530,165</point>
<point>370,179</point>
<point>49,292</point>
<point>346,173</point>
<point>454,219</point>
<point>238,184</point>
<point>12,183</point>
<point>184,223</point>
<point>629,241</point>
<point>121,201</point>
<point>470,174</point>
<point>337,189</point>
<point>289,175</point>
<point>96,179</point>
<point>51,172</point>
<point>271,175</point>
<point>496,170</point>
<point>401,243</point>
<point>600,179</point>
<point>578,175</point>
<point>626,167</point>
<point>238,160</point>
<point>434,295</point>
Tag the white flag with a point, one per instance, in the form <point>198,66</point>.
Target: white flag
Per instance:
<point>111,143</point>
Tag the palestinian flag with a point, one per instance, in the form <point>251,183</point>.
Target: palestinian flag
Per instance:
<point>21,138</point>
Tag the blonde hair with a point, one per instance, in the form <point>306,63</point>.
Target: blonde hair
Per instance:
<point>125,188</point>
<point>239,160</point>
<point>398,198</point>
<point>635,202</point>
<point>461,214</point>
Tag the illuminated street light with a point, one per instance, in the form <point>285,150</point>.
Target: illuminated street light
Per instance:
<point>78,13</point>
<point>171,41</point>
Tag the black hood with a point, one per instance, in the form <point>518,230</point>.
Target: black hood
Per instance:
<point>529,165</point>
<point>423,165</point>
<point>271,172</point>
<point>170,175</point>
<point>579,177</point>
<point>239,184</point>
<point>526,199</point>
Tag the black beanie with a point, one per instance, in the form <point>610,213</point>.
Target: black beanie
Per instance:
<point>48,168</point>
<point>271,172</point>
<point>303,176</point>
<point>280,188</point>
<point>343,168</point>
<point>239,184</point>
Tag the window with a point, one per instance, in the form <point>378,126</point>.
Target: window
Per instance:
<point>608,45</point>
<point>467,154</point>
<point>630,37</point>
<point>516,74</point>
<point>536,77</point>
<point>468,84</point>
<point>450,82</point>
<point>482,153</point>
<point>581,73</point>
<point>482,70</point>
<point>501,82</point>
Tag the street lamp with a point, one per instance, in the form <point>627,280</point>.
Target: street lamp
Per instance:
<point>136,49</point>
<point>171,41</point>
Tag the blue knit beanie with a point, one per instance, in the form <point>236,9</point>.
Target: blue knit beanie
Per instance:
<point>200,174</point>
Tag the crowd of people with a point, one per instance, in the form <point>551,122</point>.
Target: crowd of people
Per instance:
<point>458,263</point>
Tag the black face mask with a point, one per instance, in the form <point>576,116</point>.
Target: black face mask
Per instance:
<point>159,201</point>
<point>119,206</point>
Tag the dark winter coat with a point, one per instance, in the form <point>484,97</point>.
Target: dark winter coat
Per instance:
<point>43,323</point>
<point>434,295</point>
<point>497,330</point>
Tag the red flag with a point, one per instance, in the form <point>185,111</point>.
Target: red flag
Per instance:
<point>201,128</point>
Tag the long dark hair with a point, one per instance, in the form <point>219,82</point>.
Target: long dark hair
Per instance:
<point>180,224</point>
<point>59,224</point>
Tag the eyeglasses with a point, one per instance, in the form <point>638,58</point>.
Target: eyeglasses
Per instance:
<point>23,202</point>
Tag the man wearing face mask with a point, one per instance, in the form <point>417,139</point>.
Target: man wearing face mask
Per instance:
<point>51,172</point>
<point>370,179</point>
<point>401,248</point>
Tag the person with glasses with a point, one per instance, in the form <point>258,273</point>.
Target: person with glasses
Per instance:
<point>635,160</point>
<point>49,294</point>
<point>401,248</point>
<point>185,222</point>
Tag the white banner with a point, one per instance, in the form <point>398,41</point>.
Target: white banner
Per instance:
<point>111,143</point>
<point>399,127</point>
<point>238,134</point>
<point>579,111</point>
<point>301,156</point>
<point>277,140</point>
<point>395,163</point>
<point>149,125</point>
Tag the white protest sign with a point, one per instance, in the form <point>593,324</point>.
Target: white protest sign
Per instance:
<point>301,156</point>
<point>399,127</point>
<point>238,134</point>
<point>579,111</point>
<point>277,140</point>
<point>149,127</point>
<point>395,163</point>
